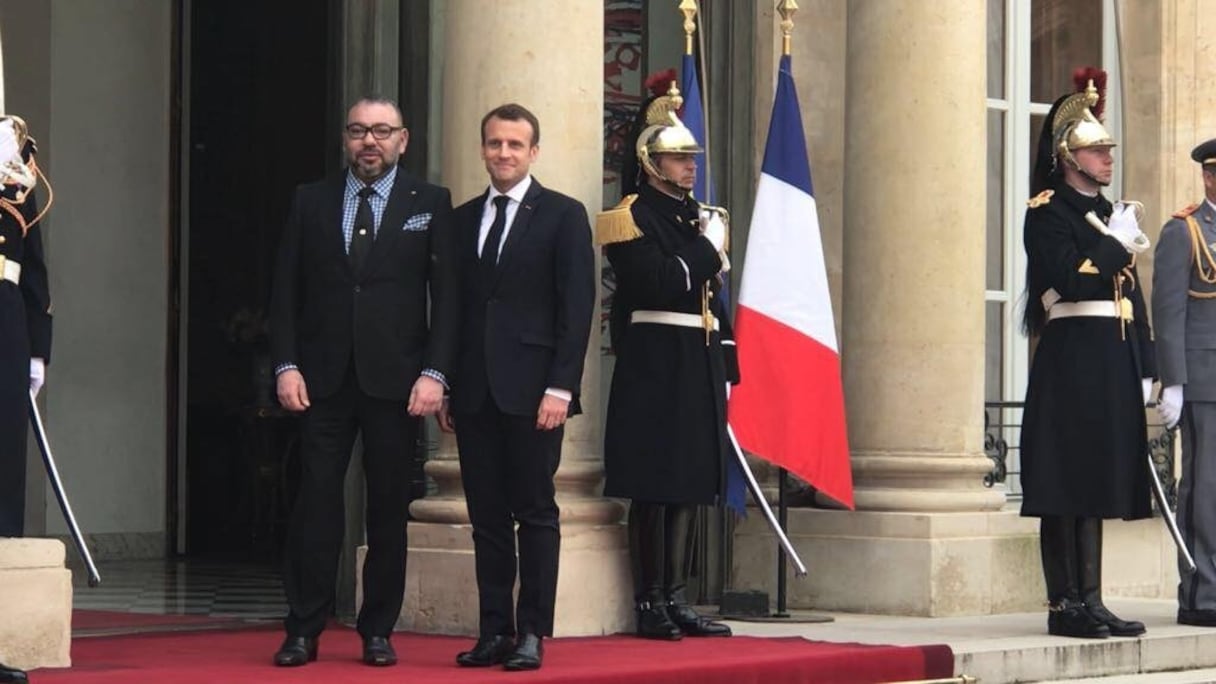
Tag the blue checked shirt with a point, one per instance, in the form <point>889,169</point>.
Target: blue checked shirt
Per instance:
<point>350,202</point>
<point>350,205</point>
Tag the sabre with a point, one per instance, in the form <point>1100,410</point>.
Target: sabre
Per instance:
<point>57,484</point>
<point>754,488</point>
<point>1167,515</point>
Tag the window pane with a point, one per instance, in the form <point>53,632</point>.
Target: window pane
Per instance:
<point>996,49</point>
<point>996,200</point>
<point>1065,34</point>
<point>994,339</point>
<point>1036,128</point>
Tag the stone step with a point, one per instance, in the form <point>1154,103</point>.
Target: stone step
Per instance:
<point>1016,647</point>
<point>1205,676</point>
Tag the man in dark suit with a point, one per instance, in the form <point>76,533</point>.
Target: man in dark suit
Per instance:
<point>355,353</point>
<point>528,294</point>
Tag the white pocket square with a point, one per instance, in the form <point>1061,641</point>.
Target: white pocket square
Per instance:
<point>417,222</point>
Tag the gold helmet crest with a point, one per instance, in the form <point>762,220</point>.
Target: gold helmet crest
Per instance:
<point>664,132</point>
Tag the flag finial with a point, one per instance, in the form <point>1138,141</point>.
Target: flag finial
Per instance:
<point>689,9</point>
<point>786,9</point>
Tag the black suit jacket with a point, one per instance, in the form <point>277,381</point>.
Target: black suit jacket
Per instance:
<point>323,313</point>
<point>527,328</point>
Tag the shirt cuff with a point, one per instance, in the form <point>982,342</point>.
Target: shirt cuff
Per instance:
<point>436,376</point>
<point>284,367</point>
<point>564,395</point>
<point>687,275</point>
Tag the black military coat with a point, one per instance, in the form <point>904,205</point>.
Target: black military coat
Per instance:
<point>25,331</point>
<point>665,439</point>
<point>1083,432</point>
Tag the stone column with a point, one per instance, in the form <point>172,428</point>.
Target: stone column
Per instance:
<point>548,57</point>
<point>913,347</point>
<point>928,538</point>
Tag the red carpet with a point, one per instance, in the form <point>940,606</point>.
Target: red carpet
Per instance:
<point>244,656</point>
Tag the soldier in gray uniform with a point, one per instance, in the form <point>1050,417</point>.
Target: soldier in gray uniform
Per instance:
<point>1184,313</point>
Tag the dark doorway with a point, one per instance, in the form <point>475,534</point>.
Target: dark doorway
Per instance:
<point>260,88</point>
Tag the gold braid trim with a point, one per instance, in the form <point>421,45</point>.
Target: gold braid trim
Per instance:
<point>617,224</point>
<point>1201,254</point>
<point>10,206</point>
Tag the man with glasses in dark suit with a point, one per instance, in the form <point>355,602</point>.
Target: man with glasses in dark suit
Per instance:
<point>359,352</point>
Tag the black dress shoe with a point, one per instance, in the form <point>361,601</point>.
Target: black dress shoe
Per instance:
<point>378,651</point>
<point>528,653</point>
<point>491,650</point>
<point>655,623</point>
<point>1117,625</point>
<point>295,651</point>
<point>1070,618</point>
<point>12,674</point>
<point>694,624</point>
<point>1198,617</point>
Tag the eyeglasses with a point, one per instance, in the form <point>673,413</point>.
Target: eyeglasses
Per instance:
<point>379,131</point>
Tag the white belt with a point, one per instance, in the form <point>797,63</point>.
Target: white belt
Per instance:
<point>684,320</point>
<point>1104,309</point>
<point>10,270</point>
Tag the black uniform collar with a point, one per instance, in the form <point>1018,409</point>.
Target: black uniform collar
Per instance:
<point>682,211</point>
<point>1081,202</point>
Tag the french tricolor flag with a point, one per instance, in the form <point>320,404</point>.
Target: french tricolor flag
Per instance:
<point>789,409</point>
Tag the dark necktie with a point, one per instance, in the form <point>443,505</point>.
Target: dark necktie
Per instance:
<point>489,249</point>
<point>364,232</point>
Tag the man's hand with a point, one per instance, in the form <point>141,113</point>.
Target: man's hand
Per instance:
<point>1169,407</point>
<point>293,395</point>
<point>427,396</point>
<point>1126,229</point>
<point>447,422</point>
<point>713,228</point>
<point>552,412</point>
<point>37,374</point>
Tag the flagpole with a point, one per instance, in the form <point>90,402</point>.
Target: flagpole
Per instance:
<point>690,11</point>
<point>786,9</point>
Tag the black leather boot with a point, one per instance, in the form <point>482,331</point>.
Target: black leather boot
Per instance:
<point>1089,561</point>
<point>646,556</point>
<point>12,674</point>
<point>1069,618</point>
<point>1067,615</point>
<point>680,526</point>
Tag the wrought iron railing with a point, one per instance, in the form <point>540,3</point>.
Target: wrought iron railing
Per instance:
<point>1002,433</point>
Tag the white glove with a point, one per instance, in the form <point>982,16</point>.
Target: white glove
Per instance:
<point>1169,407</point>
<point>1146,388</point>
<point>1125,228</point>
<point>37,374</point>
<point>714,229</point>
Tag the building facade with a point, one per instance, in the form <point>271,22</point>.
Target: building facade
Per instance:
<point>174,131</point>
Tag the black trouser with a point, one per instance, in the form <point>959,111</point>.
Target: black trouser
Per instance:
<point>1071,548</point>
<point>314,538</point>
<point>507,468</point>
<point>660,546</point>
<point>14,411</point>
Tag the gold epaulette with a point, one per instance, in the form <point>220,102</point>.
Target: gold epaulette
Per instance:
<point>1040,199</point>
<point>616,224</point>
<point>1186,211</point>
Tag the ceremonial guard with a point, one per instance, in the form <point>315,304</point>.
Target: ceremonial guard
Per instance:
<point>25,322</point>
<point>665,436</point>
<point>1184,311</point>
<point>1084,432</point>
